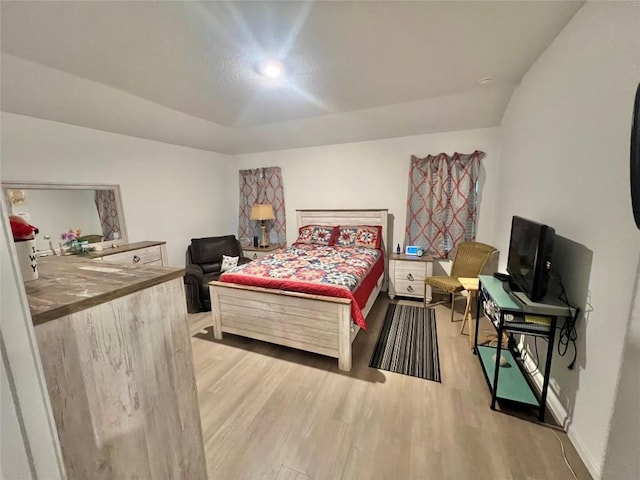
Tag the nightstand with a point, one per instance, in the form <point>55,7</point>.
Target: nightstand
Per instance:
<point>407,274</point>
<point>256,252</point>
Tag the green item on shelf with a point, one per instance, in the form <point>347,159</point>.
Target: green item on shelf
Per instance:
<point>538,319</point>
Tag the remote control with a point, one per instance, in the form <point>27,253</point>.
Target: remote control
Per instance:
<point>504,277</point>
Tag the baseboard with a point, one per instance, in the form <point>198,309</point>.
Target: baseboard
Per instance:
<point>556,407</point>
<point>561,416</point>
<point>595,469</point>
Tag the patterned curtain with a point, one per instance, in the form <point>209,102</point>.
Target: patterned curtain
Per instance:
<point>108,213</point>
<point>441,205</point>
<point>262,185</point>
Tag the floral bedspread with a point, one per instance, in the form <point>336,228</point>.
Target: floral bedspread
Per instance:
<point>335,271</point>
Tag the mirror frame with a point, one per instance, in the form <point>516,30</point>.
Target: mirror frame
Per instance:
<point>124,236</point>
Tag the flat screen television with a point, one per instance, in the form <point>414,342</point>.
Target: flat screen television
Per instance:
<point>529,261</point>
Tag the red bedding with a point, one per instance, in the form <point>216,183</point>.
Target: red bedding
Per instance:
<point>344,272</point>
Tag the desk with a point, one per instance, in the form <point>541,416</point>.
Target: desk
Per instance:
<point>513,313</point>
<point>471,287</point>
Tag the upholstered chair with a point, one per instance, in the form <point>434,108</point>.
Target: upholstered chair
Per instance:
<point>471,259</point>
<point>204,264</point>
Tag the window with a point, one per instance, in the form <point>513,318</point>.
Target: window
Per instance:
<point>441,204</point>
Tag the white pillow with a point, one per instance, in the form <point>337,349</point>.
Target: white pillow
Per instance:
<point>228,263</point>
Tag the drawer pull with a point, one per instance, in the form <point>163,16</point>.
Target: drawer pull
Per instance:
<point>410,277</point>
<point>410,289</point>
<point>136,259</point>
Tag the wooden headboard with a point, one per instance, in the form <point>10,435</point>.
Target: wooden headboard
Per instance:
<point>347,217</point>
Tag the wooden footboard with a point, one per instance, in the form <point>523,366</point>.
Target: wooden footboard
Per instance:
<point>313,323</point>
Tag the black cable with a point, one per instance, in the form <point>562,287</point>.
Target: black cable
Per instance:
<point>525,351</point>
<point>537,362</point>
<point>568,333</point>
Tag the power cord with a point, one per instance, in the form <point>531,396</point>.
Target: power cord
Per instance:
<point>564,455</point>
<point>537,362</point>
<point>568,332</point>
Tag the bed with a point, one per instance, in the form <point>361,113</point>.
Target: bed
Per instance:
<point>312,322</point>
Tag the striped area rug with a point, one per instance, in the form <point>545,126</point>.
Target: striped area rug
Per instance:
<point>408,343</point>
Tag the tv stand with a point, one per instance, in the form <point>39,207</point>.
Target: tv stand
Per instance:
<point>508,312</point>
<point>548,305</point>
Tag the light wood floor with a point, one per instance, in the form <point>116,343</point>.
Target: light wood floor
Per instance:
<point>271,412</point>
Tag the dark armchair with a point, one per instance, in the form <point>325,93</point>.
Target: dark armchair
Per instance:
<point>203,265</point>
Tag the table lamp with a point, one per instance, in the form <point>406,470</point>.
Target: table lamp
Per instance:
<point>262,212</point>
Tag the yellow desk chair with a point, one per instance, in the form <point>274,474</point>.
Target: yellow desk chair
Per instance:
<point>470,260</point>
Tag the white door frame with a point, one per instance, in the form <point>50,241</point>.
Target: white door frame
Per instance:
<point>28,400</point>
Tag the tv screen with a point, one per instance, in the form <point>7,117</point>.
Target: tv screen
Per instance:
<point>529,261</point>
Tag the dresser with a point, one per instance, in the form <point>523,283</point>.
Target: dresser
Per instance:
<point>407,274</point>
<point>116,355</point>
<point>139,253</point>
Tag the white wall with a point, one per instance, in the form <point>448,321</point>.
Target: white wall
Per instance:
<point>169,192</point>
<point>622,459</point>
<point>565,159</point>
<point>373,174</point>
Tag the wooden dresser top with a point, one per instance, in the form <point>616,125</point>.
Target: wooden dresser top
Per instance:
<point>414,258</point>
<point>70,284</point>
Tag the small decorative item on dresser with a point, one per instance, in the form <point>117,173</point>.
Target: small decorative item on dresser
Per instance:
<point>412,249</point>
<point>28,259</point>
<point>25,243</point>
<point>71,242</point>
<point>398,250</point>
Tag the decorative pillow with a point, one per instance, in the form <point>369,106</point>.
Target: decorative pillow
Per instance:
<point>228,263</point>
<point>316,234</point>
<point>359,236</point>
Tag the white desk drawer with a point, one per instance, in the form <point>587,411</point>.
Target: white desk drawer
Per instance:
<point>407,288</point>
<point>141,256</point>
<point>255,253</point>
<point>157,263</point>
<point>410,270</point>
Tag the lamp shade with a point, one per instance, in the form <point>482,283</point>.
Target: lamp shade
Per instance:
<point>262,212</point>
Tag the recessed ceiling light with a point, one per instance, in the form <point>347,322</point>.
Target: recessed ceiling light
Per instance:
<point>485,80</point>
<point>271,69</point>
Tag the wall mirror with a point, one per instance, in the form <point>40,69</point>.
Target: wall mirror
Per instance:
<point>55,208</point>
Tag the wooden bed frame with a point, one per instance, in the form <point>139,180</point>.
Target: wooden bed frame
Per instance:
<point>314,323</point>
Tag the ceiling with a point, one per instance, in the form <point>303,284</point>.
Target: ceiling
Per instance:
<point>184,72</point>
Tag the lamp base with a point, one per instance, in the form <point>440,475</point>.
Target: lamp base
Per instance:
<point>264,242</point>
